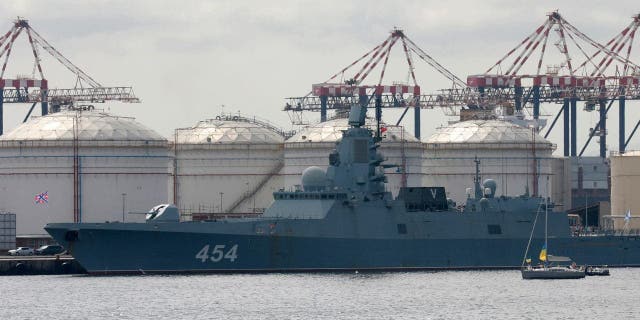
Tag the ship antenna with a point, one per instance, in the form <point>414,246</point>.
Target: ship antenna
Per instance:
<point>378,117</point>
<point>476,179</point>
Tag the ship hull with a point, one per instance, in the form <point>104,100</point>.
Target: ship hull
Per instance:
<point>133,250</point>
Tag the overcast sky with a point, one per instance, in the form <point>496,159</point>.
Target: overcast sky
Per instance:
<point>185,59</point>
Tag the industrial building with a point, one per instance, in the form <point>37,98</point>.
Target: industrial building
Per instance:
<point>89,166</point>
<point>82,166</point>
<point>229,164</point>
<point>625,182</point>
<point>517,158</point>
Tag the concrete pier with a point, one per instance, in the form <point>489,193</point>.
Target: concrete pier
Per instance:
<point>34,265</point>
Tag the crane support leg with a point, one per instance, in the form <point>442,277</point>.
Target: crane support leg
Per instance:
<point>574,126</point>
<point>554,122</point>
<point>593,131</point>
<point>323,108</point>
<point>416,120</point>
<point>567,144</point>
<point>363,100</point>
<point>518,98</point>
<point>603,128</point>
<point>45,104</point>
<point>402,116</point>
<point>29,113</point>
<point>536,102</point>
<point>1,110</point>
<point>378,115</point>
<point>621,120</point>
<point>632,133</point>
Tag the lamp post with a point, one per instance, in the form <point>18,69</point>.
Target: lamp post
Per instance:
<point>248,190</point>
<point>221,193</point>
<point>124,196</point>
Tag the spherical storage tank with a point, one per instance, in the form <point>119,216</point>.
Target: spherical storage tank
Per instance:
<point>312,145</point>
<point>227,164</point>
<point>506,152</point>
<point>625,181</point>
<point>83,166</point>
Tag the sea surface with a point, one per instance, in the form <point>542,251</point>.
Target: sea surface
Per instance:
<point>398,295</point>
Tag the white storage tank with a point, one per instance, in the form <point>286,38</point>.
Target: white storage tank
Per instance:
<point>84,166</point>
<point>506,152</point>
<point>230,164</point>
<point>312,145</point>
<point>625,182</point>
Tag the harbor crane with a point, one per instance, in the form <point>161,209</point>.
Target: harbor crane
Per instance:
<point>35,88</point>
<point>351,89</point>
<point>595,81</point>
<point>603,75</point>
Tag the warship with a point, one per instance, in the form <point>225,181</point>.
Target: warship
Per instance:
<point>344,219</point>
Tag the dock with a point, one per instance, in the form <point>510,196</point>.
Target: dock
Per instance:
<point>39,265</point>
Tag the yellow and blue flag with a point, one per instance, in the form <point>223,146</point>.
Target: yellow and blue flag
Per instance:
<point>543,253</point>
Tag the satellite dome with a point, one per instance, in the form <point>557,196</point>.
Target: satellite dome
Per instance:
<point>313,179</point>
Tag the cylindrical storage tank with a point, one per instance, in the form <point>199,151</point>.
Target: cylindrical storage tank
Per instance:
<point>83,166</point>
<point>625,182</point>
<point>515,157</point>
<point>231,164</point>
<point>312,145</point>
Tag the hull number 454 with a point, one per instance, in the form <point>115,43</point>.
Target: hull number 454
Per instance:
<point>218,253</point>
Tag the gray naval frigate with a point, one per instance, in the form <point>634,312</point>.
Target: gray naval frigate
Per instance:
<point>344,219</point>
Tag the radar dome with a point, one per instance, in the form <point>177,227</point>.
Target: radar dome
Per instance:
<point>313,179</point>
<point>491,185</point>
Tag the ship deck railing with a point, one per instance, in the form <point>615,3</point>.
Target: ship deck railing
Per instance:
<point>605,232</point>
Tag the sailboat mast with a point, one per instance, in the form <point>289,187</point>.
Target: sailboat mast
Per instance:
<point>546,215</point>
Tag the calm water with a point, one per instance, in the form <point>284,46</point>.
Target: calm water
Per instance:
<point>414,295</point>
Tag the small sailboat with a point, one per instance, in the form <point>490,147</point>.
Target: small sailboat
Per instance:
<point>550,267</point>
<point>555,267</point>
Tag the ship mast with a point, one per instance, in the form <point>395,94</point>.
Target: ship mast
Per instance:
<point>476,179</point>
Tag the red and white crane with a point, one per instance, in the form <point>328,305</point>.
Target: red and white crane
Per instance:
<point>349,85</point>
<point>603,73</point>
<point>36,88</point>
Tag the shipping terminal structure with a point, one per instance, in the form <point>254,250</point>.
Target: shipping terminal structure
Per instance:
<point>230,165</point>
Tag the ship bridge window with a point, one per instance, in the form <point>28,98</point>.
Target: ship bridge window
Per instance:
<point>494,229</point>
